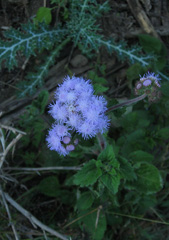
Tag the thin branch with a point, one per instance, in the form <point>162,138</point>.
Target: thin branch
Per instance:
<point>12,143</point>
<point>9,214</point>
<point>84,215</point>
<point>139,218</point>
<point>33,219</point>
<point>97,218</point>
<point>42,169</point>
<point>131,101</point>
<point>12,129</point>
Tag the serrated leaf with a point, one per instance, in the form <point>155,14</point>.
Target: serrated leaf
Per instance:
<point>49,186</point>
<point>141,156</point>
<point>97,230</point>
<point>111,181</point>
<point>27,40</point>
<point>95,78</point>
<point>36,79</point>
<point>44,15</point>
<point>38,132</point>
<point>134,71</point>
<point>165,89</point>
<point>133,55</point>
<point>148,179</point>
<point>85,201</point>
<point>41,101</point>
<point>126,169</point>
<point>136,119</point>
<point>163,133</point>
<point>108,155</point>
<point>88,175</point>
<point>149,43</point>
<point>98,88</point>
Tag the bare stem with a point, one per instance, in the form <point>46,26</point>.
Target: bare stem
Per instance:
<point>42,169</point>
<point>9,214</point>
<point>128,102</point>
<point>12,129</point>
<point>12,143</point>
<point>86,214</point>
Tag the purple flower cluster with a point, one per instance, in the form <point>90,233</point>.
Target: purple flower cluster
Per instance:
<point>76,109</point>
<point>149,84</point>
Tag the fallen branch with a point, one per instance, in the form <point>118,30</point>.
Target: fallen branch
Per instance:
<point>9,214</point>
<point>12,143</point>
<point>42,169</point>
<point>35,222</point>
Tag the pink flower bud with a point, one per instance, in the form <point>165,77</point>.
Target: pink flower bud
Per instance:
<point>70,147</point>
<point>147,82</point>
<point>66,140</point>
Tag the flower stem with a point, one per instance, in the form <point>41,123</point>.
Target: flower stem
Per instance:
<point>128,102</point>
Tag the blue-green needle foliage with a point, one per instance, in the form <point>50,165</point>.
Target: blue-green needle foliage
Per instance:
<point>81,28</point>
<point>27,40</point>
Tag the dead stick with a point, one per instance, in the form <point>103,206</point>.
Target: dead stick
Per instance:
<point>33,219</point>
<point>141,17</point>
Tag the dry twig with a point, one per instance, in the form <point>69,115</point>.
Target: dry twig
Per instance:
<point>35,222</point>
<point>12,143</point>
<point>42,169</point>
<point>9,214</point>
<point>141,17</point>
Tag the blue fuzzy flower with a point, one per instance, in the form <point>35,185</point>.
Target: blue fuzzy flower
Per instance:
<point>76,109</point>
<point>150,85</point>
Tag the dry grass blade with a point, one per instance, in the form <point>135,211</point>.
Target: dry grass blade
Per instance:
<point>35,222</point>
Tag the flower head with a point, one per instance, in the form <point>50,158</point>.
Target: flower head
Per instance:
<point>76,109</point>
<point>149,84</point>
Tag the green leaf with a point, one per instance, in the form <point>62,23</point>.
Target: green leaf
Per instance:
<point>108,155</point>
<point>26,41</point>
<point>85,201</point>
<point>96,79</point>
<point>137,119</point>
<point>163,133</point>
<point>146,202</point>
<point>35,79</point>
<point>111,182</point>
<point>141,156</point>
<point>98,88</point>
<point>133,55</point>
<point>49,186</point>
<point>134,71</point>
<point>44,15</point>
<point>29,158</point>
<point>150,44</point>
<point>154,45</point>
<point>41,101</point>
<point>88,175</point>
<point>148,179</point>
<point>126,169</point>
<point>165,89</point>
<point>160,63</point>
<point>38,132</point>
<point>97,230</point>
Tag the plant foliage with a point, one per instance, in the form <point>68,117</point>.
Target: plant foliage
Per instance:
<point>82,29</point>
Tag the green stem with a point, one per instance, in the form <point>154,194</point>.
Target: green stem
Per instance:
<point>140,218</point>
<point>131,101</point>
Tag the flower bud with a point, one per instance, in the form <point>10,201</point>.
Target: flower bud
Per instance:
<point>70,147</point>
<point>149,85</point>
<point>66,140</point>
